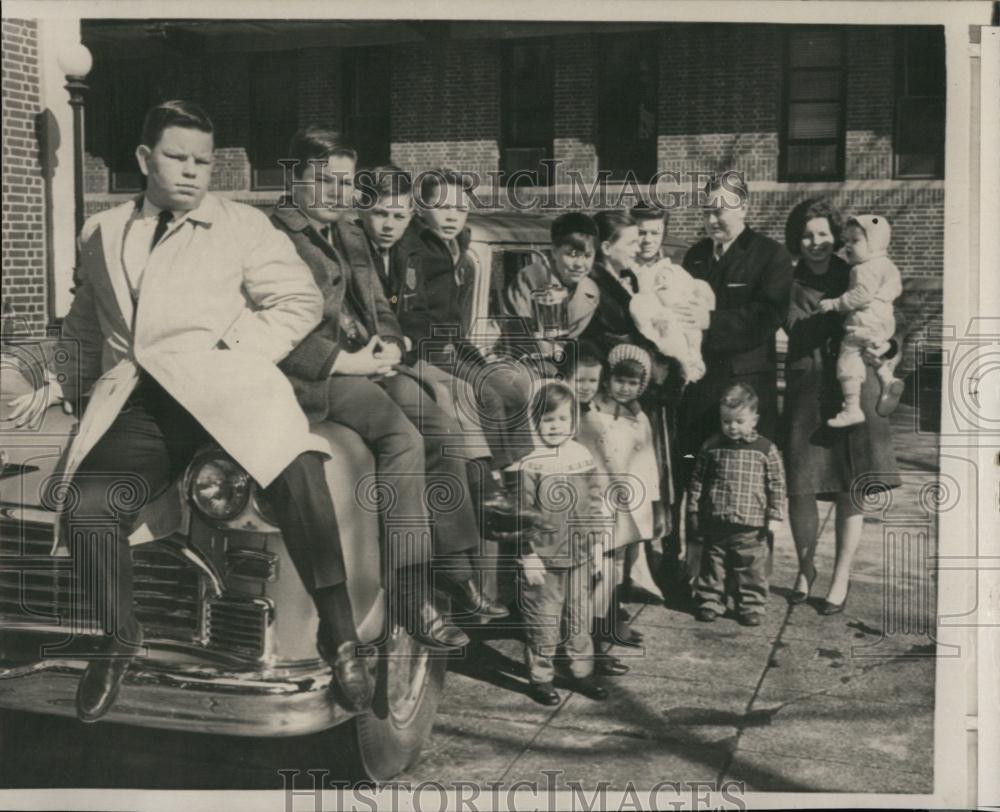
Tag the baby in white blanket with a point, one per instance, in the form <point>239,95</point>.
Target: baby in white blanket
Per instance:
<point>662,287</point>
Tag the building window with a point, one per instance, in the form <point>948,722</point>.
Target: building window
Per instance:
<point>526,107</point>
<point>131,98</point>
<point>812,143</point>
<point>627,103</point>
<point>920,103</point>
<point>273,115</point>
<point>366,104</point>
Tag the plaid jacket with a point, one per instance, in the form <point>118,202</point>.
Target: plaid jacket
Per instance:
<point>738,481</point>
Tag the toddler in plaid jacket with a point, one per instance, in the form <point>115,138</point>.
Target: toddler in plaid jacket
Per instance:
<point>737,488</point>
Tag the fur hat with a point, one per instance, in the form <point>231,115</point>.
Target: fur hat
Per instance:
<point>877,231</point>
<point>630,352</point>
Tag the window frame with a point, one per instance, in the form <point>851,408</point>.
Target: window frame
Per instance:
<point>617,173</point>
<point>784,139</point>
<point>901,96</point>
<point>131,73</point>
<point>506,140</point>
<point>288,60</point>
<point>349,62</point>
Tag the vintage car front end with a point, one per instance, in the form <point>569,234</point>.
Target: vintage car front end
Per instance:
<point>229,630</point>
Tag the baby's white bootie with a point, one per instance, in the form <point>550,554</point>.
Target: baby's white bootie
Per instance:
<point>850,415</point>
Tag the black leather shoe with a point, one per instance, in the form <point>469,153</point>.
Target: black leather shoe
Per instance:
<point>470,598</point>
<point>706,615</point>
<point>749,619</point>
<point>428,626</point>
<point>798,596</point>
<point>607,666</point>
<point>102,680</point>
<point>543,693</point>
<point>630,638</point>
<point>497,502</point>
<point>505,524</point>
<point>353,684</point>
<point>827,608</point>
<point>588,687</point>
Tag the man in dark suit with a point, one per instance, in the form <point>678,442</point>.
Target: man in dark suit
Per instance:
<point>751,276</point>
<point>344,371</point>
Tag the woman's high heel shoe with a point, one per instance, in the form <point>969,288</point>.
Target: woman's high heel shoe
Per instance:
<point>827,608</point>
<point>798,596</point>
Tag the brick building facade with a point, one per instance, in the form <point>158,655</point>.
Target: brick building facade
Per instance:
<point>24,269</point>
<point>708,97</point>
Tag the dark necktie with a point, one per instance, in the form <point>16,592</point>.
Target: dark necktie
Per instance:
<point>162,222</point>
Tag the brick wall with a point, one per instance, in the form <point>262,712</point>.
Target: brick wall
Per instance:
<point>720,99</point>
<point>575,115</point>
<point>24,255</point>
<point>719,108</point>
<point>446,106</point>
<point>870,102</point>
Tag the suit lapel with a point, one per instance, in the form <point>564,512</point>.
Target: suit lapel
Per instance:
<point>112,242</point>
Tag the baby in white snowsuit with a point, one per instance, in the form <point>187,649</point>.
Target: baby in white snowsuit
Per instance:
<point>875,283</point>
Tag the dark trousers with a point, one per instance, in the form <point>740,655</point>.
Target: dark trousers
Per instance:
<point>407,433</point>
<point>502,390</point>
<point>143,452</point>
<point>741,552</point>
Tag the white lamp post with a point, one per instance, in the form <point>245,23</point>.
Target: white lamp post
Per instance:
<point>75,62</point>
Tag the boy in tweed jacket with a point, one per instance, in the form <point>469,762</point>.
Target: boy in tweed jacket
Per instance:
<point>737,488</point>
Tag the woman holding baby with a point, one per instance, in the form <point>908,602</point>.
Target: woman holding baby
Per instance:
<point>824,462</point>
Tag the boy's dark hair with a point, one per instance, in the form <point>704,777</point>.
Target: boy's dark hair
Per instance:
<point>386,181</point>
<point>569,228</point>
<point>628,368</point>
<point>611,223</point>
<point>432,181</point>
<point>739,396</point>
<point>643,211</point>
<point>812,209</point>
<point>587,355</point>
<point>317,144</point>
<point>174,113</point>
<point>549,398</point>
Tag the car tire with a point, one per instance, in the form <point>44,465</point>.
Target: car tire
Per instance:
<point>389,737</point>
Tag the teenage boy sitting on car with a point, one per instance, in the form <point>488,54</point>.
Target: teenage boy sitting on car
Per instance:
<point>365,240</point>
<point>345,371</point>
<point>431,277</point>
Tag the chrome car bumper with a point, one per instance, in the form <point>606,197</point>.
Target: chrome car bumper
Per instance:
<point>292,702</point>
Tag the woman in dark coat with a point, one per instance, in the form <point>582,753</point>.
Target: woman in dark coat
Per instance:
<point>824,463</point>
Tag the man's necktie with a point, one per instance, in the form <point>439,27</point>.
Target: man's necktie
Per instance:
<point>162,223</point>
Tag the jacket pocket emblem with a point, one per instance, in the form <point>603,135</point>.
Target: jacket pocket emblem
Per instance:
<point>411,277</point>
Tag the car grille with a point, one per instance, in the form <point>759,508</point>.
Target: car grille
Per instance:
<point>172,600</point>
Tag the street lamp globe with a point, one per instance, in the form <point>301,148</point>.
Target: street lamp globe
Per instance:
<point>75,60</point>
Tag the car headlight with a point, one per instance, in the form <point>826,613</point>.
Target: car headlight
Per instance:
<point>218,487</point>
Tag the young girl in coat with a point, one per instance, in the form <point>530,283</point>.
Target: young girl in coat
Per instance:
<point>627,450</point>
<point>557,480</point>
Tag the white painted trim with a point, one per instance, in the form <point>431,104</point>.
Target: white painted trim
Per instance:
<point>54,35</point>
<point>988,642</point>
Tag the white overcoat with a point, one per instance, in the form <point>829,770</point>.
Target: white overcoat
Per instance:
<point>224,297</point>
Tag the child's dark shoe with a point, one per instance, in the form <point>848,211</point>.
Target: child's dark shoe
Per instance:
<point>749,619</point>
<point>588,687</point>
<point>607,666</point>
<point>543,693</point>
<point>706,615</point>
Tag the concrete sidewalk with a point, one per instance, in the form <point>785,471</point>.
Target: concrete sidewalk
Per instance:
<point>803,703</point>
